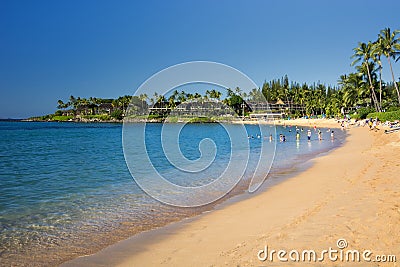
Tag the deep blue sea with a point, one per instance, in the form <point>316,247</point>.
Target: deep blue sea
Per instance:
<point>66,190</point>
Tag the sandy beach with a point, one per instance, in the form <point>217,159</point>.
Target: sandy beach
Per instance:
<point>351,193</point>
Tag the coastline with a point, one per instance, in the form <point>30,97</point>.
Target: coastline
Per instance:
<point>310,211</point>
<point>327,123</point>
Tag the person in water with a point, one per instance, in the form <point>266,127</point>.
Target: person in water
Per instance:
<point>309,135</point>
<point>319,135</point>
<point>297,136</point>
<point>332,135</point>
<point>270,138</point>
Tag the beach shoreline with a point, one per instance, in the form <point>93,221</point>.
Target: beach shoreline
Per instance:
<point>308,211</point>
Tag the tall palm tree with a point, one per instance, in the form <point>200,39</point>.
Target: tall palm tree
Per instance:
<point>143,98</point>
<point>216,94</point>
<point>171,102</point>
<point>238,90</point>
<point>155,98</point>
<point>60,104</point>
<point>377,51</point>
<point>391,49</point>
<point>209,94</point>
<point>182,97</point>
<point>363,52</point>
<point>353,88</point>
<point>364,91</point>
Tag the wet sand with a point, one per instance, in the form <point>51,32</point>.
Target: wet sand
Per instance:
<point>351,193</point>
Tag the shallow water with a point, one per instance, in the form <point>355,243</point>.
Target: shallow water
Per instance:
<point>66,191</point>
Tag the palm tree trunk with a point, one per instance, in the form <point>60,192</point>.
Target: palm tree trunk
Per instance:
<point>380,86</point>
<point>394,81</point>
<point>373,90</point>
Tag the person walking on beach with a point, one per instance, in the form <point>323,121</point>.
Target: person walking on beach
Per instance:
<point>309,135</point>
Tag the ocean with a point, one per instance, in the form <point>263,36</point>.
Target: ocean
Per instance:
<point>66,189</point>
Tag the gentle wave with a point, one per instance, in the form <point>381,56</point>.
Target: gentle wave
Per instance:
<point>66,191</point>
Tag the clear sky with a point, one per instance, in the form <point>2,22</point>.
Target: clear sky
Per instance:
<point>50,50</point>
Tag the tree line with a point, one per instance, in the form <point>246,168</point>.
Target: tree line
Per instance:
<point>363,88</point>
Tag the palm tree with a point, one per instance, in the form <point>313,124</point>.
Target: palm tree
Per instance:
<point>154,99</point>
<point>364,91</point>
<point>377,51</point>
<point>353,88</point>
<point>172,100</point>
<point>143,98</point>
<point>197,95</point>
<point>390,46</point>
<point>182,97</point>
<point>305,92</point>
<point>238,90</point>
<point>216,94</point>
<point>209,94</point>
<point>335,103</point>
<point>363,52</point>
<point>72,101</point>
<point>60,104</point>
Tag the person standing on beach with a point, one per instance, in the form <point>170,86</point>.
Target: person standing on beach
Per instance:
<point>309,135</point>
<point>373,127</point>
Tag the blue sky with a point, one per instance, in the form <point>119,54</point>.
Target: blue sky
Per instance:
<point>50,50</point>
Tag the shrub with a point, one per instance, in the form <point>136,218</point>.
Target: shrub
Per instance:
<point>391,109</point>
<point>362,113</point>
<point>117,114</point>
<point>102,117</point>
<point>386,116</point>
<point>61,118</point>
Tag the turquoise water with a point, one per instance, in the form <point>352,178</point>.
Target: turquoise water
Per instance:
<point>66,191</point>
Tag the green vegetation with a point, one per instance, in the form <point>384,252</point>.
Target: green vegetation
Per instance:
<point>362,113</point>
<point>201,120</point>
<point>386,116</point>
<point>100,117</point>
<point>62,118</point>
<point>117,114</point>
<point>357,94</point>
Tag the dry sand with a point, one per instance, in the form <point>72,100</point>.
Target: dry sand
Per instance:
<point>351,193</point>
